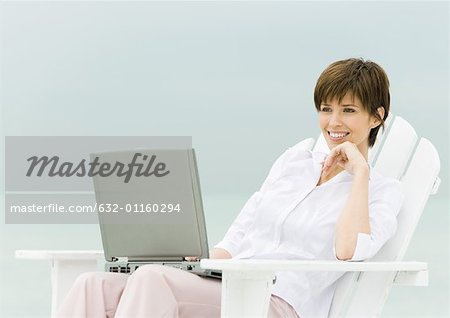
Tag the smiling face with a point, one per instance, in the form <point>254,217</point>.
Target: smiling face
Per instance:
<point>346,120</point>
<point>368,82</point>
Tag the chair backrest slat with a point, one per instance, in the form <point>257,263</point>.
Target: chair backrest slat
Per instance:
<point>397,149</point>
<point>382,133</point>
<point>418,183</point>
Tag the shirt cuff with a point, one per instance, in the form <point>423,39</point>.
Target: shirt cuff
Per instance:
<point>362,249</point>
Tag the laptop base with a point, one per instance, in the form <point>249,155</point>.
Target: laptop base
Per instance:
<point>128,267</point>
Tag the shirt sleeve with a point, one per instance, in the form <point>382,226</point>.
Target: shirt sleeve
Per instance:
<point>384,206</point>
<point>233,237</point>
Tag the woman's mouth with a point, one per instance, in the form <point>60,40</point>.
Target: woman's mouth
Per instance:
<point>337,136</point>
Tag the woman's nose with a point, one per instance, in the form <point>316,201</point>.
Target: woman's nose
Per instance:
<point>335,119</point>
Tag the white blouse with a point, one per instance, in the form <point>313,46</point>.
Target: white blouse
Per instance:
<point>292,218</point>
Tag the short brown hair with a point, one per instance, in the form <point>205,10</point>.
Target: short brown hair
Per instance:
<point>364,79</point>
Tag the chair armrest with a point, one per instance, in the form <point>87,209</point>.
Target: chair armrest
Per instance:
<point>59,254</point>
<point>407,273</point>
<point>246,283</point>
<point>65,267</point>
<point>300,265</point>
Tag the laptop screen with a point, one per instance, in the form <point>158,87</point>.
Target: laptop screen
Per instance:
<point>149,204</point>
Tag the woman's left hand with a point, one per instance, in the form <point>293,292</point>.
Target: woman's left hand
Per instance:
<point>348,157</point>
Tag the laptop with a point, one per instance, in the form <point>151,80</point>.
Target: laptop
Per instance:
<point>150,209</point>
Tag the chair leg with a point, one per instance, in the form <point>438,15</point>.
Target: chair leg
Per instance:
<point>63,275</point>
<point>246,294</point>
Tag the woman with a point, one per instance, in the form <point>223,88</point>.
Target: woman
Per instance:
<point>311,206</point>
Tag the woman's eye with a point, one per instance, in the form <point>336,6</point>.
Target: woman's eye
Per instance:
<point>349,110</point>
<point>326,109</point>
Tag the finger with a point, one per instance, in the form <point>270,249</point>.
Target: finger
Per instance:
<point>343,158</point>
<point>341,163</point>
<point>327,164</point>
<point>331,158</point>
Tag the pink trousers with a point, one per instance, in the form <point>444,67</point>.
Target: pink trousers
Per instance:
<point>152,291</point>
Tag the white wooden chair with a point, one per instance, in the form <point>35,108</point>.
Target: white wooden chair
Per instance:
<point>361,292</point>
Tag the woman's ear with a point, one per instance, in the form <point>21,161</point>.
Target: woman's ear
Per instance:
<point>375,121</point>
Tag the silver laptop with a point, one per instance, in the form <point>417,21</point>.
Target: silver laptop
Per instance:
<point>150,209</point>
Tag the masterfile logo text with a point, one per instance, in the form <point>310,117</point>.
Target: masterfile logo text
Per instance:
<point>68,163</point>
<point>140,166</point>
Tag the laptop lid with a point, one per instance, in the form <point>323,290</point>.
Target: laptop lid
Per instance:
<point>150,206</point>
